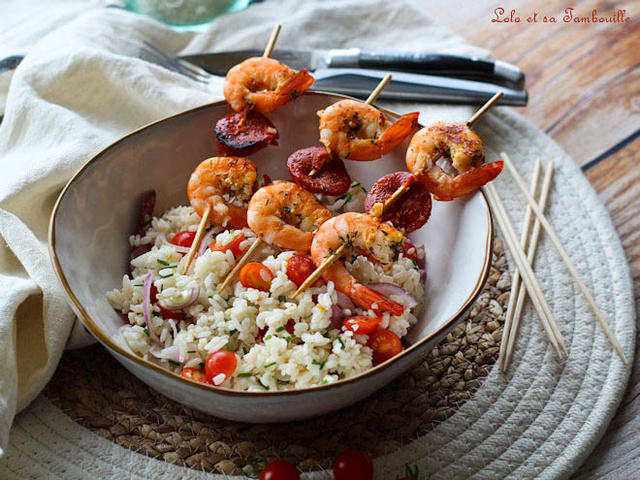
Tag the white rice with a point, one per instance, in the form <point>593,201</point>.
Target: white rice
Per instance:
<point>315,354</point>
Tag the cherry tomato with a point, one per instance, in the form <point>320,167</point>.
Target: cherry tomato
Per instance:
<point>234,246</point>
<point>385,344</point>
<point>361,324</point>
<point>183,239</point>
<point>299,268</point>
<point>195,374</point>
<point>291,323</point>
<point>171,314</point>
<point>256,275</point>
<point>353,465</point>
<point>410,251</point>
<point>261,333</point>
<point>153,294</point>
<point>220,362</point>
<point>280,470</point>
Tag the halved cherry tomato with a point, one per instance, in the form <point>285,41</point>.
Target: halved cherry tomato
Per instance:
<point>171,314</point>
<point>353,464</point>
<point>184,239</point>
<point>220,362</point>
<point>291,323</point>
<point>361,324</point>
<point>299,268</point>
<point>234,246</point>
<point>385,344</point>
<point>410,251</point>
<point>261,333</point>
<point>280,470</point>
<point>256,275</point>
<point>195,374</point>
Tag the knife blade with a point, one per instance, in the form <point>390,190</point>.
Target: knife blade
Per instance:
<point>414,87</point>
<point>402,61</point>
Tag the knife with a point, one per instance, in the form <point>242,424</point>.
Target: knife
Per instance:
<point>403,61</point>
<point>359,82</point>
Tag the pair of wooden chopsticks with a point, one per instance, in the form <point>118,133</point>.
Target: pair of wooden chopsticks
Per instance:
<point>525,273</point>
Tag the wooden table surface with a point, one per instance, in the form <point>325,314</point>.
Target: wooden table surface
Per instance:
<point>584,92</point>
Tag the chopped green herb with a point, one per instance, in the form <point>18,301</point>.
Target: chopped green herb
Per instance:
<point>342,343</point>
<point>227,346</point>
<point>321,364</point>
<point>174,362</point>
<point>232,231</point>
<point>267,337</point>
<point>279,329</point>
<point>347,197</point>
<point>146,332</point>
<point>282,298</point>
<point>191,351</point>
<point>244,350</point>
<point>245,375</point>
<point>161,287</point>
<point>167,276</point>
<point>255,466</point>
<point>269,364</point>
<point>162,262</point>
<point>147,222</point>
<point>326,335</point>
<point>324,382</point>
<point>233,332</point>
<point>138,285</point>
<point>156,314</point>
<point>266,387</point>
<point>288,339</point>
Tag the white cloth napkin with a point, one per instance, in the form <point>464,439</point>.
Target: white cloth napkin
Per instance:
<point>82,87</point>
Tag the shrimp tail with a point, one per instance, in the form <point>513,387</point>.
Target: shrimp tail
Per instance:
<point>397,132</point>
<point>294,86</point>
<point>368,298</point>
<point>464,183</point>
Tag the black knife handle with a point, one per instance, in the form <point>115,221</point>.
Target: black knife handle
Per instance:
<point>441,64</point>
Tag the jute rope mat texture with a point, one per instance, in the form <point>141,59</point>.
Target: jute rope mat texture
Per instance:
<point>99,394</point>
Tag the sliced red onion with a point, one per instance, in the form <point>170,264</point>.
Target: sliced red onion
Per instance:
<point>180,249</point>
<point>344,301</point>
<point>336,316</point>
<point>206,241</point>
<point>193,296</point>
<point>170,353</point>
<point>146,306</point>
<point>388,289</point>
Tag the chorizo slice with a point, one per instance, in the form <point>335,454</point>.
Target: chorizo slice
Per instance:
<point>411,210</point>
<point>242,133</point>
<point>331,176</point>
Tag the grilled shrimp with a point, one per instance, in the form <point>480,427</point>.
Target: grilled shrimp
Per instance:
<point>264,84</point>
<point>447,157</point>
<point>286,215</point>
<point>225,183</point>
<point>362,233</point>
<point>357,131</point>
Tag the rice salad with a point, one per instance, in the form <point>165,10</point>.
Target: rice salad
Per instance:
<point>279,343</point>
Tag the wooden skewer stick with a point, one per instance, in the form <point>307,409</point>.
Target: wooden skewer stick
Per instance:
<point>567,260</point>
<point>521,293</point>
<point>403,188</point>
<point>507,328</point>
<point>241,263</point>
<point>195,246</point>
<point>528,277</point>
<point>372,98</point>
<point>268,50</point>
<point>485,108</point>
<point>272,41</point>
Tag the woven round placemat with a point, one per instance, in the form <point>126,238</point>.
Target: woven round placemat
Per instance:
<point>99,394</point>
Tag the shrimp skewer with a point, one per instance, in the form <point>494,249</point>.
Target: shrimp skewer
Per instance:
<point>379,209</point>
<point>256,244</point>
<point>281,214</point>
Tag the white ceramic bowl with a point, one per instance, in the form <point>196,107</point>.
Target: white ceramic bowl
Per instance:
<point>97,211</point>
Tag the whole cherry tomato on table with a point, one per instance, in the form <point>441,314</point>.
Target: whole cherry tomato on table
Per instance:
<point>385,344</point>
<point>280,470</point>
<point>353,464</point>
<point>256,275</point>
<point>184,239</point>
<point>233,245</point>
<point>220,362</point>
